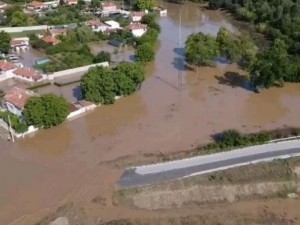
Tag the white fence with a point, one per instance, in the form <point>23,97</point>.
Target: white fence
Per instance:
<point>30,130</point>
<point>22,29</point>
<point>75,70</point>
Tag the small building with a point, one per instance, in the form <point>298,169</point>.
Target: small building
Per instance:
<point>6,66</point>
<point>137,16</point>
<point>108,7</point>
<point>36,6</point>
<point>71,2</point>
<point>19,44</point>
<point>112,25</point>
<point>57,31</point>
<point>161,11</point>
<point>137,29</point>
<point>50,40</point>
<point>97,25</point>
<point>15,100</point>
<point>28,74</point>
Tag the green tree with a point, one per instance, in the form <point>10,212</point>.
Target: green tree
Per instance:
<point>98,85</point>
<point>18,18</point>
<point>145,53</point>
<point>150,20</point>
<point>124,85</point>
<point>271,67</point>
<point>144,4</point>
<point>200,49</point>
<point>4,42</point>
<point>149,37</point>
<point>95,3</point>
<point>102,57</point>
<point>136,72</point>
<point>46,111</point>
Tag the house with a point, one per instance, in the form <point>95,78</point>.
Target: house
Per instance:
<point>160,10</point>
<point>137,29</point>
<point>108,7</point>
<point>28,74</point>
<point>50,40</point>
<point>97,25</point>
<point>112,25</point>
<point>57,31</point>
<point>19,44</point>
<point>137,16</point>
<point>36,6</point>
<point>6,66</point>
<point>15,99</point>
<point>71,2</point>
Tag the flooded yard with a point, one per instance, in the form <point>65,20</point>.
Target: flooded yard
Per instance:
<point>176,109</point>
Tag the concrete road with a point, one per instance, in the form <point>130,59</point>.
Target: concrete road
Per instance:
<point>149,174</point>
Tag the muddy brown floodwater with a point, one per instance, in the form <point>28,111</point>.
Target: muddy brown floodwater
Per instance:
<point>174,110</point>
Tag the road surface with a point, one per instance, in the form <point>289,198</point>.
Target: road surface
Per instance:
<point>149,174</point>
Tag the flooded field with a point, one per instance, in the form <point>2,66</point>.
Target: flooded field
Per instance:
<point>175,109</point>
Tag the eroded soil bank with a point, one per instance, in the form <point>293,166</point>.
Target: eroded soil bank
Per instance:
<point>176,109</point>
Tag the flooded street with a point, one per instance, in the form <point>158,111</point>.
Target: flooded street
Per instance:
<point>176,109</point>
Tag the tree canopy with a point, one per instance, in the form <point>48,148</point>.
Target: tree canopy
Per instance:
<point>102,57</point>
<point>200,49</point>
<point>4,42</point>
<point>101,85</point>
<point>46,111</point>
<point>145,53</point>
<point>144,4</point>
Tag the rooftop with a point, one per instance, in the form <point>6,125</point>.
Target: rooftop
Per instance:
<point>141,14</point>
<point>136,26</point>
<point>18,96</point>
<point>36,4</point>
<point>95,23</point>
<point>5,65</point>
<point>28,73</point>
<point>50,40</point>
<point>112,23</point>
<point>107,4</point>
<point>18,42</point>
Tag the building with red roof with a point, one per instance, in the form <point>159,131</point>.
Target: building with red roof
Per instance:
<point>137,29</point>
<point>5,66</point>
<point>16,98</point>
<point>50,40</point>
<point>28,74</point>
<point>97,25</point>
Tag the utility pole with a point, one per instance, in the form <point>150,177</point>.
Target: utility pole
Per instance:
<point>180,61</point>
<point>10,130</point>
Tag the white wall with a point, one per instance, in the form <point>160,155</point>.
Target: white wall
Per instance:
<point>75,70</point>
<point>138,32</point>
<point>21,29</point>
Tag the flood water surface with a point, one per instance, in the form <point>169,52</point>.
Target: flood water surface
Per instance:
<point>175,109</point>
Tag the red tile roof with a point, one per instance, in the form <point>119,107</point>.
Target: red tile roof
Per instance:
<point>28,73</point>
<point>141,14</point>
<point>36,4</point>
<point>97,23</point>
<point>4,65</point>
<point>18,42</point>
<point>107,4</point>
<point>136,26</point>
<point>18,96</point>
<point>50,40</point>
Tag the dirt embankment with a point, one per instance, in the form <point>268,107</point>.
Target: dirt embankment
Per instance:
<point>275,179</point>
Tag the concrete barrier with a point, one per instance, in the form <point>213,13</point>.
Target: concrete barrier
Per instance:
<point>75,70</point>
<point>22,29</point>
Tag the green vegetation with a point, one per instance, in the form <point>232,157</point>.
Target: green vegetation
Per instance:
<point>229,139</point>
<point>145,51</point>
<point>280,21</point>
<point>102,57</point>
<point>4,42</point>
<point>36,42</point>
<point>144,4</point>
<point>102,85</point>
<point>201,49</point>
<point>15,17</point>
<point>46,111</point>
<point>16,123</point>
